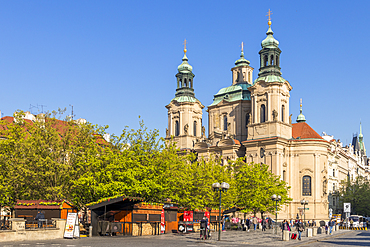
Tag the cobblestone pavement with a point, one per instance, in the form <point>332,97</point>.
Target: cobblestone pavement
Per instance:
<point>229,238</point>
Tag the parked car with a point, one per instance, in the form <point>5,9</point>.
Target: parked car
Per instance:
<point>357,221</point>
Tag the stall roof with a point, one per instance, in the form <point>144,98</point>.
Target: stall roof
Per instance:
<point>42,204</point>
<point>114,203</point>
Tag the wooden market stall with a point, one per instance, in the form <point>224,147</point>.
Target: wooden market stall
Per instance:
<point>28,209</point>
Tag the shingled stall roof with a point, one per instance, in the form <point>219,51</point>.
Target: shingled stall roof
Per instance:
<point>304,131</point>
<point>42,204</point>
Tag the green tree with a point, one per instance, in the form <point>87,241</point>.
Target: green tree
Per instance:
<point>255,185</point>
<point>356,192</point>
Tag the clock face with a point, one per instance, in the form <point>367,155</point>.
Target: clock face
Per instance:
<point>262,152</point>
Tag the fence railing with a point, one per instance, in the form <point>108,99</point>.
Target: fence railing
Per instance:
<point>39,224</point>
<point>5,225</point>
<point>128,228</point>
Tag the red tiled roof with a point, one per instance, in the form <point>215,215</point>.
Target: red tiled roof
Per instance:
<point>304,131</point>
<point>236,141</point>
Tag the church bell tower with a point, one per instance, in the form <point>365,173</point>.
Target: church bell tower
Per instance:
<point>185,110</point>
<point>270,94</point>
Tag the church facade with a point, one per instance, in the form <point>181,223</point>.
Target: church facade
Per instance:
<point>251,119</point>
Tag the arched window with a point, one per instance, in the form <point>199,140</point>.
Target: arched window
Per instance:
<point>262,114</point>
<point>249,77</point>
<point>265,60</point>
<point>185,84</point>
<point>272,60</point>
<point>225,122</point>
<point>195,128</point>
<point>277,61</point>
<point>306,186</point>
<point>178,81</point>
<point>177,128</point>
<point>190,83</point>
<point>282,112</point>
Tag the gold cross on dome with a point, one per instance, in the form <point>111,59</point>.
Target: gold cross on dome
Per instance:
<point>242,46</point>
<point>185,42</point>
<point>269,14</point>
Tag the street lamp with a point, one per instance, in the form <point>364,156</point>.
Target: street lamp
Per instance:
<point>304,203</point>
<point>223,187</point>
<point>276,198</point>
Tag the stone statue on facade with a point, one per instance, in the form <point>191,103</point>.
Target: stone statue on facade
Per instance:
<point>290,119</point>
<point>203,131</point>
<point>167,132</point>
<point>186,129</point>
<point>275,115</point>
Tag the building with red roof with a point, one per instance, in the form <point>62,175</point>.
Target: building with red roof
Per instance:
<point>251,120</point>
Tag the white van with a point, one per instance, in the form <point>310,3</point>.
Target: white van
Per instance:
<point>357,221</point>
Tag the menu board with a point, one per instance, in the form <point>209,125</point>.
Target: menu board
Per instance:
<point>70,225</point>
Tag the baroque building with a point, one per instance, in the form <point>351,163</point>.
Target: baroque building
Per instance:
<point>251,119</point>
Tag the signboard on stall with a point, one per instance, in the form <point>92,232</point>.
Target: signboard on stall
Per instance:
<point>163,223</point>
<point>69,230</point>
<point>188,216</point>
<point>206,214</point>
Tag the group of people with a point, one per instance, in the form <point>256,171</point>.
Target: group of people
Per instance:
<point>298,224</point>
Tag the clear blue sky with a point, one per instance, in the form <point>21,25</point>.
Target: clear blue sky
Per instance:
<point>116,60</point>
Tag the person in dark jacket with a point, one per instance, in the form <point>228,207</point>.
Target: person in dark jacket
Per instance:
<point>300,228</point>
<point>40,217</point>
<point>203,228</point>
<point>264,224</point>
<point>270,222</point>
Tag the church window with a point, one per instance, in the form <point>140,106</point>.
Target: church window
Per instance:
<point>284,175</point>
<point>177,128</point>
<point>272,60</point>
<point>306,186</point>
<point>277,61</point>
<point>195,128</point>
<point>185,84</point>
<point>265,60</point>
<point>190,83</point>
<point>225,122</point>
<point>178,83</point>
<point>249,77</point>
<point>263,114</point>
<point>282,112</point>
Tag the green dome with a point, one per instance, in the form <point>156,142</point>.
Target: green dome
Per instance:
<point>241,61</point>
<point>185,67</point>
<point>270,41</point>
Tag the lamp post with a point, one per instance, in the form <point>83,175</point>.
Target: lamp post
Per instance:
<point>304,203</point>
<point>223,187</point>
<point>276,198</point>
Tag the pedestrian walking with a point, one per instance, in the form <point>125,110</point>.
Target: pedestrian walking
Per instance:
<point>285,226</point>
<point>264,224</point>
<point>270,222</point>
<point>248,222</point>
<point>300,228</point>
<point>331,224</point>
<point>255,222</point>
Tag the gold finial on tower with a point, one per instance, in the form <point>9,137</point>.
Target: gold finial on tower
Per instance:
<point>269,15</point>
<point>242,46</point>
<point>185,42</point>
<point>301,103</point>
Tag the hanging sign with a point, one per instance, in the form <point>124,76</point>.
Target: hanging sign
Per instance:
<point>70,225</point>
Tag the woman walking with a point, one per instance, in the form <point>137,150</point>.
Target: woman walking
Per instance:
<point>300,228</point>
